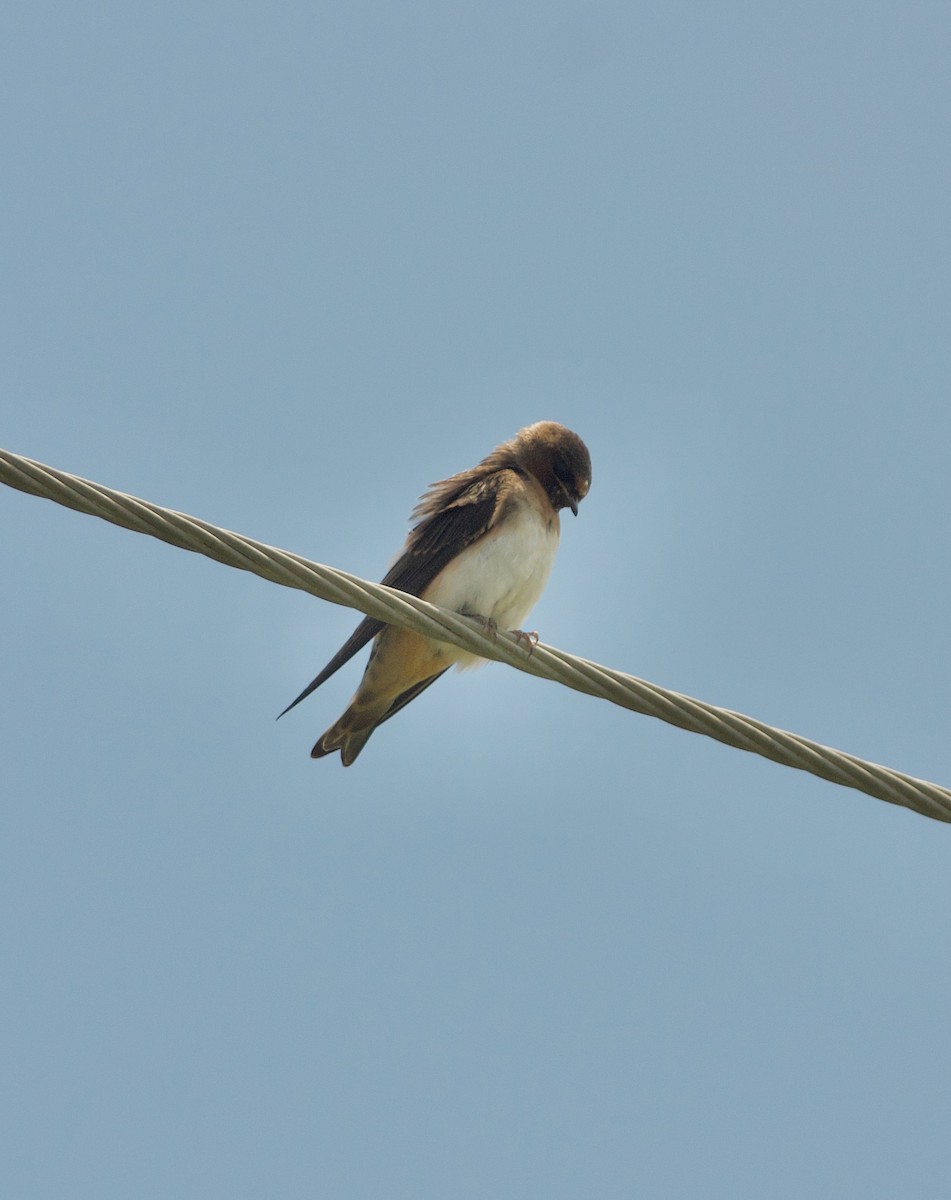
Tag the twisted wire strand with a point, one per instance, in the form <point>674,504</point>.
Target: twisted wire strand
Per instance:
<point>545,662</point>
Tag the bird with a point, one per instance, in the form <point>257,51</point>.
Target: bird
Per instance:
<point>482,546</point>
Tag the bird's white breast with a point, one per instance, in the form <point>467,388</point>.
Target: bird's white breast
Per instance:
<point>503,574</point>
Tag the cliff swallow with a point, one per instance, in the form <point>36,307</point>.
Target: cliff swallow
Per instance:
<point>483,546</point>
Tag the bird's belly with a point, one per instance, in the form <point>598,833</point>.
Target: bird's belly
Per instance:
<point>501,576</point>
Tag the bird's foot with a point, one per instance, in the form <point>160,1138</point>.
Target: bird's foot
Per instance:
<point>488,625</point>
<point>527,636</point>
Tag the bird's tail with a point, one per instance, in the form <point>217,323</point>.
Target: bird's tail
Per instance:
<point>340,736</point>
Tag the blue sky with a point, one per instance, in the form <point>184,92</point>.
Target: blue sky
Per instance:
<point>281,267</point>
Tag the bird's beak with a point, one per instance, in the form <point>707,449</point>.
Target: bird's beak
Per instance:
<point>569,499</point>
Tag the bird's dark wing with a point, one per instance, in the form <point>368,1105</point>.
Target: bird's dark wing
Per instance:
<point>467,513</point>
<point>400,702</point>
<point>364,632</point>
<point>410,694</point>
<point>437,539</point>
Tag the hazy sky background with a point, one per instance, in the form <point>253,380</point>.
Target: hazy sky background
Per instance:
<point>281,266</point>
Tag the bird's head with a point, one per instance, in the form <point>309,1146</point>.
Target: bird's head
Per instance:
<point>558,459</point>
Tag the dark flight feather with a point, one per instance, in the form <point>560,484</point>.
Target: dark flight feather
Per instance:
<point>399,703</point>
<point>455,513</point>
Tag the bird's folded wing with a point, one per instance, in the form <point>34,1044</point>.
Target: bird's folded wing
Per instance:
<point>435,542</point>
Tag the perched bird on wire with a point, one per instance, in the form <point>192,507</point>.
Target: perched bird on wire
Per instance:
<point>483,546</point>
